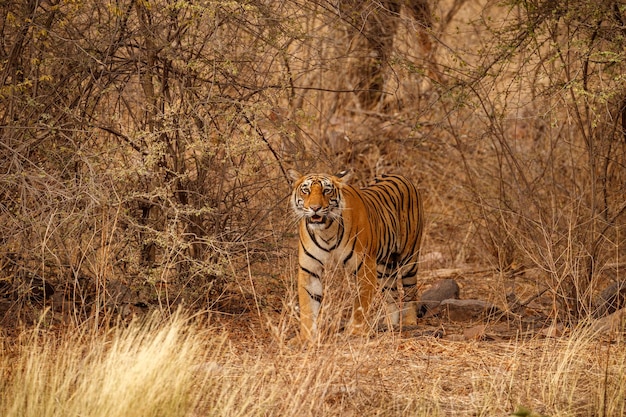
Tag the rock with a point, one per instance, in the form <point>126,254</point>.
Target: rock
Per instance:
<point>611,299</point>
<point>475,333</point>
<point>513,302</point>
<point>467,310</point>
<point>455,337</point>
<point>431,298</point>
<point>553,331</point>
<point>615,322</point>
<point>34,287</point>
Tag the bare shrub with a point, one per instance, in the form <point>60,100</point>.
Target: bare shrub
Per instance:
<point>549,185</point>
<point>137,156</point>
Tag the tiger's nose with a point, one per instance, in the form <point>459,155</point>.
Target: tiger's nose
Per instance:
<point>315,207</point>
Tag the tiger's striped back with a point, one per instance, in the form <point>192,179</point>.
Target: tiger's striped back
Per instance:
<point>395,210</point>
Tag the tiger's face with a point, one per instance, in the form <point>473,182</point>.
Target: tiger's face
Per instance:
<point>317,198</point>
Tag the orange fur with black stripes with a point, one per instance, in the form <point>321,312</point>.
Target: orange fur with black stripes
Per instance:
<point>373,232</point>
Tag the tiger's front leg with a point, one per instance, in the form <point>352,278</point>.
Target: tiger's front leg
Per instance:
<point>310,299</point>
<point>367,288</point>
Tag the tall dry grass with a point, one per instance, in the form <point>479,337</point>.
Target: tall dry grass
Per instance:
<point>143,370</point>
<point>173,367</point>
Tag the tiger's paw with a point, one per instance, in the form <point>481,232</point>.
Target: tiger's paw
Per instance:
<point>409,314</point>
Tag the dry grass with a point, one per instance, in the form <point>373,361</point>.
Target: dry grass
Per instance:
<point>143,370</point>
<point>173,367</point>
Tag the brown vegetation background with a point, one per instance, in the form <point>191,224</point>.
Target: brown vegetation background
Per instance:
<point>144,143</point>
<point>148,253</point>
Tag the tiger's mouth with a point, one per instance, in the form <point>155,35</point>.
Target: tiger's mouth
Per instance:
<point>316,218</point>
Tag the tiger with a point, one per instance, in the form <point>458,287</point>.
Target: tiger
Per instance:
<point>374,233</point>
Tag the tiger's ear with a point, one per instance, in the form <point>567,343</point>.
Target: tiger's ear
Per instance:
<point>293,176</point>
<point>345,176</point>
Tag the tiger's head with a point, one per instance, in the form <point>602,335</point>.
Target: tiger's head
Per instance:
<point>317,197</point>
